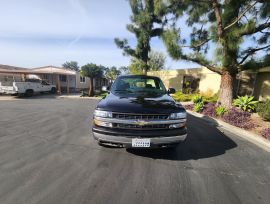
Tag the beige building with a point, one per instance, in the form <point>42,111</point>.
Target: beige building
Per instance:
<point>203,80</point>
<point>83,83</point>
<point>256,83</point>
<point>65,80</point>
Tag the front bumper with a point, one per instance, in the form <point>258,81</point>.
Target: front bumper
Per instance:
<point>158,139</point>
<point>3,91</point>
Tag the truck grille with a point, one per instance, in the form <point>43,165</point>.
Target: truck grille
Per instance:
<point>145,117</point>
<point>140,116</point>
<point>140,127</point>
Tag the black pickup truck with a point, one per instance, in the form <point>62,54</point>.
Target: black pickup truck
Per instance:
<point>138,112</point>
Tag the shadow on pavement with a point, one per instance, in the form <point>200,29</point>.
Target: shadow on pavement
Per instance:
<point>204,141</point>
<point>39,96</point>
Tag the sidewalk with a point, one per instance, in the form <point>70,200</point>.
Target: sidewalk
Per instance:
<point>45,96</point>
<point>8,98</point>
<point>75,96</point>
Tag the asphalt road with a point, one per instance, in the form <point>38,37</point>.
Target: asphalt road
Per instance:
<point>47,155</point>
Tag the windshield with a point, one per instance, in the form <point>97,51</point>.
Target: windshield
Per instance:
<point>143,85</point>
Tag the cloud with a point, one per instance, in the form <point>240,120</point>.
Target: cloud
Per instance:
<point>38,32</point>
<point>64,18</point>
<point>76,5</point>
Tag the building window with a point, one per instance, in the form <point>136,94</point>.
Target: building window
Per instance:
<point>190,84</point>
<point>46,76</point>
<point>63,78</point>
<point>82,79</point>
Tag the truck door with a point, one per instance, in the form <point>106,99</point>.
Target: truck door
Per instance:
<point>45,86</point>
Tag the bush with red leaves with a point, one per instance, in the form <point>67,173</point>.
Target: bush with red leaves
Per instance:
<point>210,110</point>
<point>239,118</point>
<point>188,107</point>
<point>266,133</point>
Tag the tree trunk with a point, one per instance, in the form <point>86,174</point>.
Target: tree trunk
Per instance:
<point>226,89</point>
<point>144,71</point>
<point>91,88</point>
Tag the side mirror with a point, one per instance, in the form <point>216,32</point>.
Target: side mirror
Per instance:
<point>171,91</point>
<point>105,88</point>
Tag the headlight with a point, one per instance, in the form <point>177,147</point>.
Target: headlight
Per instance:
<point>103,124</point>
<point>181,115</point>
<point>102,114</point>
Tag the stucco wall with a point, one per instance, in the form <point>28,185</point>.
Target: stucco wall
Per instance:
<point>209,81</point>
<point>82,85</point>
<point>262,88</point>
<point>85,85</point>
<point>170,78</point>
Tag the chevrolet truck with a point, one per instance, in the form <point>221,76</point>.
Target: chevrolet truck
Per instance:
<point>139,112</point>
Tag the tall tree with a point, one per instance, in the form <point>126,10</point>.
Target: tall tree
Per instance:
<point>237,29</point>
<point>146,22</point>
<point>73,65</point>
<point>92,71</point>
<point>156,62</point>
<point>111,73</point>
<point>123,70</point>
<point>135,66</point>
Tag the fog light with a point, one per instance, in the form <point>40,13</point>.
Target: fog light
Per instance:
<point>177,125</point>
<point>101,123</point>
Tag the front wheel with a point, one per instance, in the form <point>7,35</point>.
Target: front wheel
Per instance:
<point>29,93</point>
<point>53,90</point>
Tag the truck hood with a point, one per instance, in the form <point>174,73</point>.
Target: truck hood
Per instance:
<point>163,104</point>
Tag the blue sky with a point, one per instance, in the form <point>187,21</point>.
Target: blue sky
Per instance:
<point>36,33</point>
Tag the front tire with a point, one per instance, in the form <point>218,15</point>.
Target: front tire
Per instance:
<point>53,90</point>
<point>29,93</point>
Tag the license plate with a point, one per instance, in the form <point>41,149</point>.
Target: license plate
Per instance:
<point>140,142</point>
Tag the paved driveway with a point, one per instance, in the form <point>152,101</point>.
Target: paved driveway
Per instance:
<point>47,155</point>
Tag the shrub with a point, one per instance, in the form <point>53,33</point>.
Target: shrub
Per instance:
<point>246,103</point>
<point>198,107</point>
<point>220,110</point>
<point>197,99</point>
<point>266,133</point>
<point>210,99</point>
<point>181,97</point>
<point>207,93</point>
<point>209,110</point>
<point>238,118</point>
<point>102,94</point>
<point>263,109</point>
<point>83,93</point>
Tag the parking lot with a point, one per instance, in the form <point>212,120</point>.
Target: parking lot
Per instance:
<point>48,155</point>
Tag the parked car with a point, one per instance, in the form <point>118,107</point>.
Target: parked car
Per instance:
<point>138,112</point>
<point>27,88</point>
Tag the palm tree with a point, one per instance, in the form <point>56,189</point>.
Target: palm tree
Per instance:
<point>92,71</point>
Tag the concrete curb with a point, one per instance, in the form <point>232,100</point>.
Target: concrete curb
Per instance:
<point>7,98</point>
<point>78,97</point>
<point>13,98</point>
<point>249,136</point>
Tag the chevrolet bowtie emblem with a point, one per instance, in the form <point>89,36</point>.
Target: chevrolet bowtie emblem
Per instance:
<point>141,122</point>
